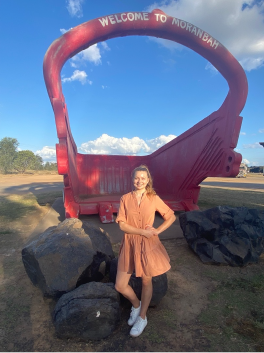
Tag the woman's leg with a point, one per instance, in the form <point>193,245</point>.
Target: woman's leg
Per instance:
<point>122,286</point>
<point>146,295</point>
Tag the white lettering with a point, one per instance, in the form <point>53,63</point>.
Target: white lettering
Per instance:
<point>104,21</point>
<point>117,20</point>
<point>210,41</point>
<point>112,20</point>
<point>194,30</point>
<point>183,24</point>
<point>215,44</point>
<point>138,16</point>
<point>189,26</point>
<point>175,21</point>
<point>199,33</point>
<point>163,18</point>
<point>145,15</point>
<point>123,14</point>
<point>205,37</point>
<point>130,16</point>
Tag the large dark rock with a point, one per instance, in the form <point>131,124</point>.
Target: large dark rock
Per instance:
<point>225,235</point>
<point>66,256</point>
<point>160,284</point>
<point>90,312</point>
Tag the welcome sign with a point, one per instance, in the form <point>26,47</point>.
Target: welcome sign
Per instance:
<point>145,16</point>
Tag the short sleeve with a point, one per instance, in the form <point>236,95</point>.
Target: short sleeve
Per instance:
<point>163,209</point>
<point>121,216</point>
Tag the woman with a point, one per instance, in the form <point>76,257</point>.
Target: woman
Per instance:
<point>141,250</point>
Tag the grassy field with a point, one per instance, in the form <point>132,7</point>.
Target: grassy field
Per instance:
<point>211,196</point>
<point>207,308</point>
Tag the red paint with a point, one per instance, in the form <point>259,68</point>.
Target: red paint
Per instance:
<point>94,183</point>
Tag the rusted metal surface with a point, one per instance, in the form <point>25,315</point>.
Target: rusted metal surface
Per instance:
<point>94,183</point>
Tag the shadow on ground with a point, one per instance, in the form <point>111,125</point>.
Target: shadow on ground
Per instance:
<point>34,188</point>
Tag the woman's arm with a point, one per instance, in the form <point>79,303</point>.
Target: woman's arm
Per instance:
<point>166,224</point>
<point>148,233</point>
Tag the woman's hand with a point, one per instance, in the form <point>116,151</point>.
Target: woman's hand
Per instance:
<point>149,231</point>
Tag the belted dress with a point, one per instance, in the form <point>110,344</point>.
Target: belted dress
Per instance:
<point>145,256</point>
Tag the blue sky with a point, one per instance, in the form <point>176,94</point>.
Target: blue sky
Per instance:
<point>127,95</point>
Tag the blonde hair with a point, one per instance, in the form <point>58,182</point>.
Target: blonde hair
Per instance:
<point>149,188</point>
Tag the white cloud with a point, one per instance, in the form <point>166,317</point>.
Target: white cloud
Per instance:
<point>252,145</point>
<point>75,7</point>
<point>105,46</point>
<point>157,142</point>
<point>78,76</point>
<point>261,131</point>
<point>167,43</point>
<point>211,68</point>
<point>251,63</point>
<point>63,30</point>
<point>47,153</point>
<point>237,24</point>
<point>242,133</point>
<point>91,54</point>
<point>106,144</point>
<point>246,161</point>
<point>255,164</point>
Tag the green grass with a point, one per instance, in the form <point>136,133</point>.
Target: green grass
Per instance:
<point>212,197</point>
<point>48,198</point>
<point>154,334</point>
<point>236,310</point>
<point>14,208</point>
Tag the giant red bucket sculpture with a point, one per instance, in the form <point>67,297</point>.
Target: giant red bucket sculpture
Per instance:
<point>94,183</point>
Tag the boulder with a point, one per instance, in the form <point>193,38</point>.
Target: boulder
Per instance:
<point>160,284</point>
<point>89,312</point>
<point>225,235</point>
<point>113,269</point>
<point>64,257</point>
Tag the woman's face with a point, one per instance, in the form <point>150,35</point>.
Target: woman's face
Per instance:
<point>140,180</point>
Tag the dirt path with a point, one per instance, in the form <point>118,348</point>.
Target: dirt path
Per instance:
<point>22,184</point>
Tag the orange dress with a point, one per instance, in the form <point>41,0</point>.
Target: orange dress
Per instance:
<point>145,256</point>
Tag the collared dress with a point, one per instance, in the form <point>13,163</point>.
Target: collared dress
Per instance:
<point>145,256</point>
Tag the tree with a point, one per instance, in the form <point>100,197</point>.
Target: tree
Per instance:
<point>38,165</point>
<point>26,160</point>
<point>8,151</point>
<point>50,166</point>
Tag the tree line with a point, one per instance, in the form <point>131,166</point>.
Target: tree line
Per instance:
<point>12,160</point>
<point>256,169</point>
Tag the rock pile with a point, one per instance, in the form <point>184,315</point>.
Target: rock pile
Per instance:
<point>225,235</point>
<point>66,263</point>
<point>90,312</point>
<point>66,256</point>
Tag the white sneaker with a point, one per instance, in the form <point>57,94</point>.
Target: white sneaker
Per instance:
<point>134,315</point>
<point>138,326</point>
